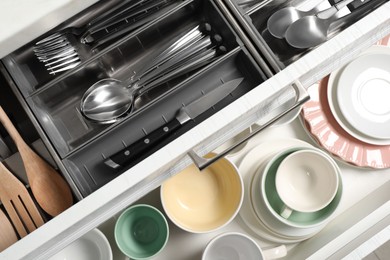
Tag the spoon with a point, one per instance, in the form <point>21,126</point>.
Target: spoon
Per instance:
<point>309,31</point>
<point>279,21</point>
<point>7,234</point>
<point>50,190</point>
<point>108,100</point>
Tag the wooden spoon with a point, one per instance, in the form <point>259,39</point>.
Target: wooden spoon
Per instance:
<point>50,189</point>
<point>7,234</point>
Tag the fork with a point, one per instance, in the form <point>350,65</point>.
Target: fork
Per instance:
<point>66,49</point>
<point>18,203</point>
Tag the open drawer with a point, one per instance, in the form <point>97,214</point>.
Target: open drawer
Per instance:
<point>80,154</point>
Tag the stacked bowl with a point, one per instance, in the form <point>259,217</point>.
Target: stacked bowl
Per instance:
<point>292,193</point>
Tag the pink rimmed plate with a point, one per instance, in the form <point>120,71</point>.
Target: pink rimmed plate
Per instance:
<point>323,127</point>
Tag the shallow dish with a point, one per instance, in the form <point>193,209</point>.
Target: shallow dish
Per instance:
<point>270,222</point>
<point>320,123</point>
<point>203,201</point>
<point>92,246</point>
<point>335,109</point>
<point>269,204</point>
<point>362,91</point>
<point>248,167</point>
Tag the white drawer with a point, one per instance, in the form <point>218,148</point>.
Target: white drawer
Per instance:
<point>148,174</point>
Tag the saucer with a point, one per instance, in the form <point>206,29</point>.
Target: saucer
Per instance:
<point>319,121</point>
<point>362,92</point>
<point>335,109</point>
<point>248,167</point>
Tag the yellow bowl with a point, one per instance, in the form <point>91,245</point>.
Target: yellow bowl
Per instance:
<point>203,201</point>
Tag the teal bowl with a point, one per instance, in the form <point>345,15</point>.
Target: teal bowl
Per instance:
<point>141,231</point>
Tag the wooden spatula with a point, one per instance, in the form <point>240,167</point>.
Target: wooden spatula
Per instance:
<point>18,203</point>
<point>7,233</point>
<point>49,188</point>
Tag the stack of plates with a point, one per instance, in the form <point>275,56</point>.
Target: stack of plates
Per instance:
<point>249,166</point>
<point>359,93</point>
<point>349,111</point>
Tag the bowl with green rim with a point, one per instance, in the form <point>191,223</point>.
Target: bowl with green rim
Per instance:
<point>141,231</point>
<point>268,205</point>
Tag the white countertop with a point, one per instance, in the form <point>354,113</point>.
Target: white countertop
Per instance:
<point>23,20</point>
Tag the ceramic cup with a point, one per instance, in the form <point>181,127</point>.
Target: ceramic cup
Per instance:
<point>237,246</point>
<point>203,201</point>
<point>141,231</point>
<point>306,181</point>
<point>270,204</point>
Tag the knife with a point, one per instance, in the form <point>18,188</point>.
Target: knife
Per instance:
<point>184,115</point>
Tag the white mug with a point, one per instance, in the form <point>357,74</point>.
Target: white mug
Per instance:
<point>238,246</point>
<point>306,181</point>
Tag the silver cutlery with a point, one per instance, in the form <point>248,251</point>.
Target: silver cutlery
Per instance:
<point>184,115</point>
<point>309,31</point>
<point>61,51</point>
<point>278,22</point>
<point>109,100</point>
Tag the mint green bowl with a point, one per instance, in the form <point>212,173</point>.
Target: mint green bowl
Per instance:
<point>141,231</point>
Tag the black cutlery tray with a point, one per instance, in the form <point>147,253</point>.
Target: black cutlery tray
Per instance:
<point>79,145</point>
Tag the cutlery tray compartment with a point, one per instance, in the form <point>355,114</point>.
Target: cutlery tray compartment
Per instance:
<point>254,15</point>
<point>30,75</point>
<point>86,164</point>
<point>81,145</point>
<point>57,106</point>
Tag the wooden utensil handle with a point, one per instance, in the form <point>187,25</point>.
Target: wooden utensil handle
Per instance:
<point>9,126</point>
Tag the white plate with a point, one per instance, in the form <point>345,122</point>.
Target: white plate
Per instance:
<point>248,167</point>
<point>363,92</point>
<point>336,112</point>
<point>92,246</point>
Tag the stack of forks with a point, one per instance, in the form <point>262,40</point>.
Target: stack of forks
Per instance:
<point>65,49</point>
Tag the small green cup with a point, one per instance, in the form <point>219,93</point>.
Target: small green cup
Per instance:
<point>141,231</point>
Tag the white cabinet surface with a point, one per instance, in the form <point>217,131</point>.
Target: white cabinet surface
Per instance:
<point>365,209</point>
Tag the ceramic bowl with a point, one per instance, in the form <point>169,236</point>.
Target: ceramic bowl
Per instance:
<point>203,201</point>
<point>141,231</point>
<point>92,246</point>
<point>267,203</point>
<point>234,245</point>
<point>306,181</point>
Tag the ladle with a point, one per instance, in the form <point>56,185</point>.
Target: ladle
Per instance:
<point>309,31</point>
<point>109,99</point>
<point>279,21</point>
<point>49,188</point>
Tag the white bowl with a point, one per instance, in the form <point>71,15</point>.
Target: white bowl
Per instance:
<point>307,180</point>
<point>92,246</point>
<point>237,246</point>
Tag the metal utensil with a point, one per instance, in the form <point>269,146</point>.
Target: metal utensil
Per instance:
<point>279,21</point>
<point>50,190</point>
<point>309,31</point>
<point>7,234</point>
<point>18,203</point>
<point>184,115</point>
<point>60,51</point>
<point>108,100</point>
